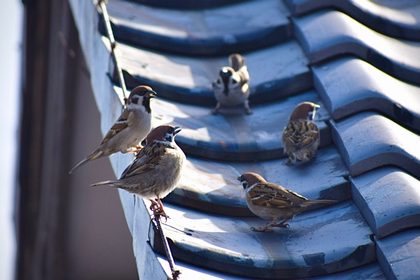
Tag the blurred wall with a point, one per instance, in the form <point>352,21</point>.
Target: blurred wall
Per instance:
<point>65,229</point>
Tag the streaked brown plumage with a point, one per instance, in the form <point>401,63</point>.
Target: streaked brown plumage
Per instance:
<point>273,202</point>
<point>156,169</point>
<point>130,128</point>
<point>301,136</point>
<point>231,88</point>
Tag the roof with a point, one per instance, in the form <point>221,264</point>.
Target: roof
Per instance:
<point>358,59</point>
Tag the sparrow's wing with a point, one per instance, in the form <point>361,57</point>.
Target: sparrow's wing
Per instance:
<point>122,122</point>
<point>243,73</point>
<point>272,195</point>
<point>300,134</point>
<point>146,160</point>
<point>236,61</point>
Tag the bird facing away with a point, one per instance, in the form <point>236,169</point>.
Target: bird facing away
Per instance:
<point>130,128</point>
<point>156,169</point>
<point>231,88</point>
<point>301,135</point>
<point>273,202</point>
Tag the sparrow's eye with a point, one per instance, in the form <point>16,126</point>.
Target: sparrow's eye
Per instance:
<point>234,82</point>
<point>218,81</point>
<point>244,184</point>
<point>168,137</point>
<point>135,99</point>
<point>311,115</point>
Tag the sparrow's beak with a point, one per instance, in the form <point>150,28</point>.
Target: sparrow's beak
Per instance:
<point>316,106</point>
<point>177,129</point>
<point>151,93</point>
<point>239,178</point>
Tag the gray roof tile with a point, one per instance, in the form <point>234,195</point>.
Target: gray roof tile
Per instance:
<point>213,187</point>
<point>232,135</point>
<point>328,34</point>
<point>188,4</point>
<point>398,19</point>
<point>201,32</point>
<point>350,85</point>
<point>188,79</point>
<point>316,243</point>
<point>389,199</point>
<point>368,141</point>
<point>399,255</point>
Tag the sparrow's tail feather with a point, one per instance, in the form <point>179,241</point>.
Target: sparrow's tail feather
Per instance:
<point>106,183</point>
<point>236,61</point>
<point>96,154</point>
<point>310,202</point>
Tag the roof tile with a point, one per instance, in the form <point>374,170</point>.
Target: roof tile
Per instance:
<point>201,32</point>
<point>399,255</point>
<point>350,85</point>
<point>328,34</point>
<point>368,140</point>
<point>398,19</point>
<point>316,242</point>
<point>389,199</point>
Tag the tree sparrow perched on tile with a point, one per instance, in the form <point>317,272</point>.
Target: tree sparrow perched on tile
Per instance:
<point>231,88</point>
<point>156,169</point>
<point>273,202</point>
<point>131,127</point>
<point>301,136</point>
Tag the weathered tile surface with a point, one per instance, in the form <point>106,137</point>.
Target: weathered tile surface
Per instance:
<point>213,187</point>
<point>201,32</point>
<point>328,34</point>
<point>368,140</point>
<point>371,272</point>
<point>399,255</point>
<point>316,243</point>
<point>389,199</point>
<point>188,271</point>
<point>188,4</point>
<point>232,135</point>
<point>398,19</point>
<point>350,85</point>
<point>188,79</point>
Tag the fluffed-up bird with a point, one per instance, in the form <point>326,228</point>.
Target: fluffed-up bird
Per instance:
<point>301,136</point>
<point>130,128</point>
<point>156,169</point>
<point>273,202</point>
<point>231,88</point>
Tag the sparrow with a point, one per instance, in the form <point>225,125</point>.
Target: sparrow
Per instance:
<point>156,169</point>
<point>231,88</point>
<point>130,128</point>
<point>273,202</point>
<point>301,135</point>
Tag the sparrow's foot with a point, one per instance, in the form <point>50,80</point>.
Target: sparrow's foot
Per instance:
<point>134,149</point>
<point>264,229</point>
<point>154,205</point>
<point>161,213</point>
<point>216,109</point>
<point>281,224</point>
<point>137,149</point>
<point>311,157</point>
<point>247,110</point>
<point>158,209</point>
<point>288,162</point>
